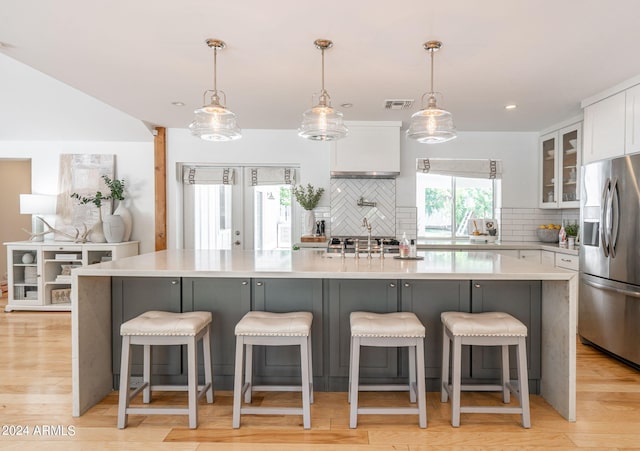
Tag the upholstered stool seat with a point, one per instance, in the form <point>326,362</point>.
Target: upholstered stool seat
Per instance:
<point>272,329</point>
<point>165,328</point>
<point>399,329</point>
<point>484,329</point>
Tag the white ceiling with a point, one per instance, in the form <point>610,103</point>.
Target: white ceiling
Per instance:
<point>139,56</point>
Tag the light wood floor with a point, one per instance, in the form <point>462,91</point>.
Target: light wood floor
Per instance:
<point>35,392</point>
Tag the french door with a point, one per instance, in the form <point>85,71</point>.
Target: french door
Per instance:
<point>231,213</point>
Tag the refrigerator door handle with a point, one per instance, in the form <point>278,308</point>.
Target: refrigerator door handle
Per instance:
<point>614,211</point>
<point>635,294</point>
<point>603,217</point>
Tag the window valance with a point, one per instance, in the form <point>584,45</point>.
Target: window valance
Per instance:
<point>488,169</point>
<point>271,176</point>
<point>208,175</point>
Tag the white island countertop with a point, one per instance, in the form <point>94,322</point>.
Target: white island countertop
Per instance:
<point>437,264</point>
<point>91,301</point>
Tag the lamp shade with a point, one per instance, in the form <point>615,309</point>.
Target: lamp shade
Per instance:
<point>37,204</point>
<point>322,123</point>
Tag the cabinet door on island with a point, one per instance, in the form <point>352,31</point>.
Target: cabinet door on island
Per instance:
<point>131,296</point>
<point>228,299</point>
<point>281,364</point>
<point>428,299</point>
<point>521,299</point>
<point>346,296</point>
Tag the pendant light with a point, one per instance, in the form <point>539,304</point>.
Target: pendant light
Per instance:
<point>322,122</point>
<point>214,122</point>
<point>431,125</point>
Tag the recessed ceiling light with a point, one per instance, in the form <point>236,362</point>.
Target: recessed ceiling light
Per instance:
<point>511,106</point>
<point>346,105</point>
<point>178,103</point>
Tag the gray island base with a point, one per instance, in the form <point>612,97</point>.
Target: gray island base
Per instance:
<point>230,283</point>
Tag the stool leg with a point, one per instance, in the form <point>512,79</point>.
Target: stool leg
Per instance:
<point>208,364</point>
<point>350,363</point>
<point>309,353</point>
<point>146,374</point>
<point>237,382</point>
<point>456,364</point>
<point>306,385</point>
<point>412,373</point>
<point>446,345</point>
<point>125,363</point>
<point>422,392</point>
<point>506,393</point>
<point>192,376</point>
<point>523,378</point>
<point>248,372</point>
<point>354,375</point>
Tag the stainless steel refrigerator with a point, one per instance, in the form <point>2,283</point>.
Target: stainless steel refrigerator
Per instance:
<point>609,292</point>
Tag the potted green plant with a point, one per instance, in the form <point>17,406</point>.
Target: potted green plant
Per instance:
<point>116,191</point>
<point>572,229</point>
<point>308,198</point>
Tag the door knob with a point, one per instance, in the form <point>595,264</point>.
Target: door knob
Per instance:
<point>237,242</point>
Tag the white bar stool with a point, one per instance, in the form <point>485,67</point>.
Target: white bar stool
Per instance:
<point>154,328</point>
<point>397,329</point>
<point>484,329</point>
<point>272,329</point>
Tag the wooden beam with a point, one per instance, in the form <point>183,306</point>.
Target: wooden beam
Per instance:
<point>160,169</point>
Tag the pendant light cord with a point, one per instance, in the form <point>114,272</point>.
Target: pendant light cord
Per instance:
<point>323,91</point>
<point>215,73</point>
<point>432,52</point>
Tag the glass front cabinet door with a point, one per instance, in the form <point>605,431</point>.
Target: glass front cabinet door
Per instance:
<point>548,169</point>
<point>560,168</point>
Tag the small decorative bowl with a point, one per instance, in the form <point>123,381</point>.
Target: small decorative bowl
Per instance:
<point>548,235</point>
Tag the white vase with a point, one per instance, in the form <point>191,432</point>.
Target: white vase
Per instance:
<point>127,219</point>
<point>309,223</point>
<point>113,228</point>
<point>97,232</point>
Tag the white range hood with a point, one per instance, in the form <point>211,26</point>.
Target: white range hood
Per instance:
<point>371,149</point>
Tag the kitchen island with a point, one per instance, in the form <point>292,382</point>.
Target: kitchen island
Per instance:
<point>253,272</point>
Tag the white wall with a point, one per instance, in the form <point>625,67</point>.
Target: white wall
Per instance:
<point>517,150</point>
<point>268,147</point>
<point>134,164</point>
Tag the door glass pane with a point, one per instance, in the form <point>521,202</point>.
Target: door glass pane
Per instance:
<point>272,217</point>
<point>212,217</point>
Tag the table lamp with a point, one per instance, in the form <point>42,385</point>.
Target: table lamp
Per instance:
<point>37,205</point>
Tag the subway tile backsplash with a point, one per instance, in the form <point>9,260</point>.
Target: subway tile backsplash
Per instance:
<point>520,224</point>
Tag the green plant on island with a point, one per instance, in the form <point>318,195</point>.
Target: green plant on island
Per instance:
<point>308,197</point>
<point>116,191</point>
<point>571,229</point>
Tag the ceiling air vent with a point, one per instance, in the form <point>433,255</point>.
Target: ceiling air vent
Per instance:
<point>398,104</point>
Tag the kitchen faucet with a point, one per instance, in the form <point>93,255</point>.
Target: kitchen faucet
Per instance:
<point>367,224</point>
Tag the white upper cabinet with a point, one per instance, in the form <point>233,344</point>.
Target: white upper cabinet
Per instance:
<point>632,141</point>
<point>370,149</point>
<point>560,167</point>
<point>612,122</point>
<point>604,128</point>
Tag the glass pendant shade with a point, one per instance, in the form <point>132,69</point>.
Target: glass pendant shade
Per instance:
<point>322,122</point>
<point>214,122</point>
<point>431,125</point>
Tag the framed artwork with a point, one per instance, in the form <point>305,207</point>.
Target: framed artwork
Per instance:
<point>82,174</point>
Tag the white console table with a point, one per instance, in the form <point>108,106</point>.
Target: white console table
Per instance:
<point>39,275</point>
